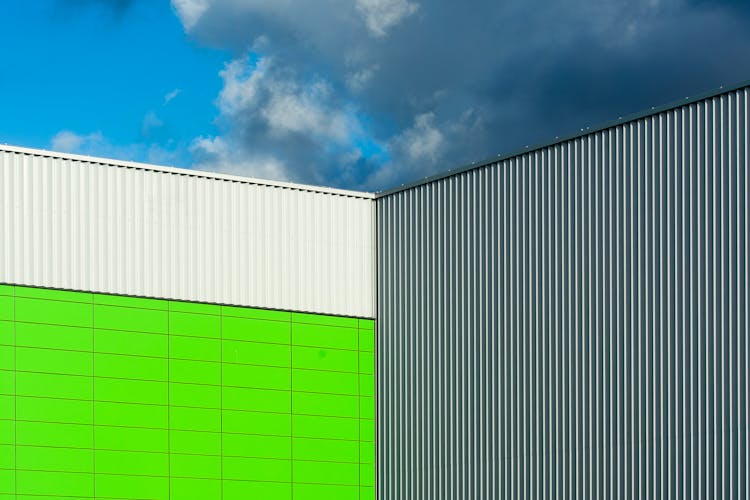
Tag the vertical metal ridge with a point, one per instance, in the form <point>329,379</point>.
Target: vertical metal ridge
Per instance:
<point>572,322</point>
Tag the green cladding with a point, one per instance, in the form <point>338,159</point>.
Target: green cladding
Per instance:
<point>116,397</point>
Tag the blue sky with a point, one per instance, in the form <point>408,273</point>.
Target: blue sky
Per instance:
<point>349,93</point>
<point>93,69</point>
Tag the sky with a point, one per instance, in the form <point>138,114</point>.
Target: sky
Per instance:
<point>358,94</point>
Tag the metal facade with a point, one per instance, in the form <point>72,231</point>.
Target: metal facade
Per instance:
<point>87,224</point>
<point>572,322</point>
<point>115,397</point>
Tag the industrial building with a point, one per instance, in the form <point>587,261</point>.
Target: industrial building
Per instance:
<point>569,321</point>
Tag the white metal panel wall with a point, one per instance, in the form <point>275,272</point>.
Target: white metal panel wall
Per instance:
<point>572,322</point>
<point>74,224</point>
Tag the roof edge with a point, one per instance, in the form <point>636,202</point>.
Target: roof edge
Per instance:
<point>655,110</point>
<point>184,171</point>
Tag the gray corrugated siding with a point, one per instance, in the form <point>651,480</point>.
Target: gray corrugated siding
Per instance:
<point>572,322</point>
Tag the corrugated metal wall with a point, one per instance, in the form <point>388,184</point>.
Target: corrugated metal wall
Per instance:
<point>67,223</point>
<point>572,322</point>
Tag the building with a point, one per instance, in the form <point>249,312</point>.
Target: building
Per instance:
<point>169,334</point>
<point>566,322</point>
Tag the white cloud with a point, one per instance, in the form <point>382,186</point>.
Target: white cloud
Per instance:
<point>423,141</point>
<point>96,144</point>
<point>313,20</point>
<point>271,97</point>
<point>150,123</point>
<point>381,15</point>
<point>293,108</point>
<point>359,79</point>
<point>277,124</point>
<point>416,150</point>
<point>241,85</point>
<point>67,141</point>
<point>190,11</point>
<point>215,154</point>
<point>160,155</point>
<point>171,95</point>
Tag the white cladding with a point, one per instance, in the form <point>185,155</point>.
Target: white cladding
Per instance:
<point>82,223</point>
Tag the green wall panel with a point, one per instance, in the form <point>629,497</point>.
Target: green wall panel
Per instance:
<point>72,338</point>
<point>122,397</point>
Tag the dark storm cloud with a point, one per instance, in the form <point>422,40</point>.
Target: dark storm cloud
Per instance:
<point>559,90</point>
<point>455,82</point>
